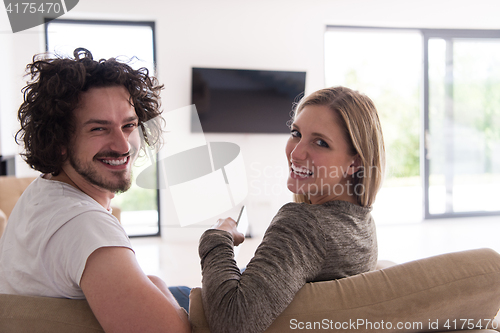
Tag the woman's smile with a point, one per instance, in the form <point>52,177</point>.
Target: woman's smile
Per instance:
<point>319,156</point>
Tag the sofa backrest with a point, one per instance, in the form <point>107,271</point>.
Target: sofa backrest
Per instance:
<point>11,188</point>
<point>431,294</point>
<point>46,315</point>
<point>445,290</point>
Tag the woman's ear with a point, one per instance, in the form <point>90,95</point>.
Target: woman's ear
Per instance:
<point>355,165</point>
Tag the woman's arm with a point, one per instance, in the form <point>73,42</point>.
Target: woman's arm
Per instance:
<point>291,253</point>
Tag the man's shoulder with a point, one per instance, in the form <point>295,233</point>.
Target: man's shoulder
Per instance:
<point>53,193</point>
<point>48,200</point>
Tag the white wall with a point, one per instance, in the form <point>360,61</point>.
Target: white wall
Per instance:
<point>16,50</point>
<point>264,34</point>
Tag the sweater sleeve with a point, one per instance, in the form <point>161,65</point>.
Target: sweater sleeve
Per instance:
<point>291,254</point>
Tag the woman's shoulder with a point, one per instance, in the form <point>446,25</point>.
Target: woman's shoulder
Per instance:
<point>336,210</point>
<point>345,207</point>
<point>295,221</point>
<point>295,209</point>
<point>294,213</point>
<point>330,206</point>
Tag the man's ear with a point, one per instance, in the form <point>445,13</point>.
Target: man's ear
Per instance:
<point>64,150</point>
<point>355,165</point>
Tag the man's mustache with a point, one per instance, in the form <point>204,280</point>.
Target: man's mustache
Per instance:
<point>114,154</point>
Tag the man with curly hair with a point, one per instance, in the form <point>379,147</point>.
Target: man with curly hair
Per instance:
<point>83,123</point>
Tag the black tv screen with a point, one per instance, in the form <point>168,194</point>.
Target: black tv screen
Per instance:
<point>245,101</point>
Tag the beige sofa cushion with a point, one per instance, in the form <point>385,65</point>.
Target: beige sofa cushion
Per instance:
<point>3,222</point>
<point>441,289</point>
<point>46,315</point>
<point>463,285</point>
<point>11,188</point>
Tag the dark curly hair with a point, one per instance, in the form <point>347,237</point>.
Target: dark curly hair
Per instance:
<point>52,94</point>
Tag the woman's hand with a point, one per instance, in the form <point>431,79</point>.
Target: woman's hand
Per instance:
<point>230,226</point>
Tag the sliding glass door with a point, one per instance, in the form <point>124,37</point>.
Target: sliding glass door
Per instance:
<point>462,125</point>
<point>438,97</point>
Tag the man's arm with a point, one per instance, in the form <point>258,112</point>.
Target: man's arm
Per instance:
<point>124,299</point>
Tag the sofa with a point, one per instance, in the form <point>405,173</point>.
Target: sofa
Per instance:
<point>11,188</point>
<point>449,292</point>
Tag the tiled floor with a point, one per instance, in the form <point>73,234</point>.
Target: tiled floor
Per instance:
<point>174,256</point>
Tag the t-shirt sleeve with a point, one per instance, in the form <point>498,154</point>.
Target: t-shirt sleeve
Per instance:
<point>75,241</point>
<point>291,253</point>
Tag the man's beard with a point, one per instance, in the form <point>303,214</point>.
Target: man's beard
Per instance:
<point>120,182</point>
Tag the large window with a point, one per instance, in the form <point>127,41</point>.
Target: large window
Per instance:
<point>386,66</point>
<point>462,122</point>
<point>438,100</point>
<point>129,41</point>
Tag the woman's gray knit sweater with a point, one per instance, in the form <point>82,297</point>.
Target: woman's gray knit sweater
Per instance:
<point>303,243</point>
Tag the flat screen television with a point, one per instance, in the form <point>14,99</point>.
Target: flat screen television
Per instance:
<point>245,101</point>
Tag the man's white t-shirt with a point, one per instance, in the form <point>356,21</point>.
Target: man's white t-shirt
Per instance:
<point>51,232</point>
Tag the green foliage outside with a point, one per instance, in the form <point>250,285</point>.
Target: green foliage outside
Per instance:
<point>137,198</point>
<point>477,98</point>
<point>400,119</point>
<point>463,138</point>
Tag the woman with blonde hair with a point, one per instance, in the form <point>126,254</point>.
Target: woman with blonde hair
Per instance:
<point>336,163</point>
<point>363,133</point>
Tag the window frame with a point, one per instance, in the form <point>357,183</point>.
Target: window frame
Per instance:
<point>427,34</point>
<point>150,24</point>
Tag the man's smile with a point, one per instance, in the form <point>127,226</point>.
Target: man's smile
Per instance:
<point>114,161</point>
